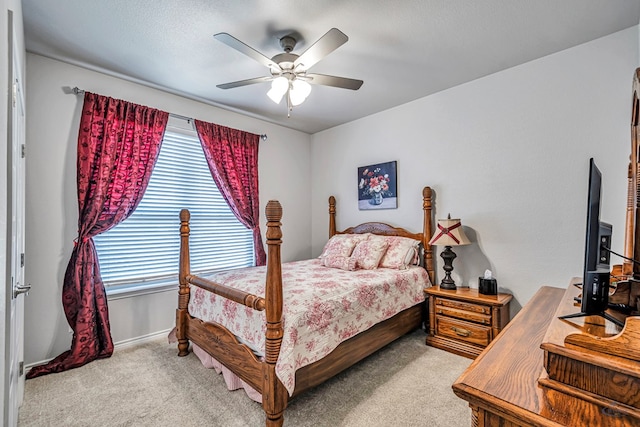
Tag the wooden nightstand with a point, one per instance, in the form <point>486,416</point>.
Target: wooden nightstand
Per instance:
<point>464,321</point>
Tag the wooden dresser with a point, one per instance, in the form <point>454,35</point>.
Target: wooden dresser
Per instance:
<point>464,321</point>
<point>508,385</point>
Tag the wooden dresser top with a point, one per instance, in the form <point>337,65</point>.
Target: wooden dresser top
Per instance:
<point>504,378</point>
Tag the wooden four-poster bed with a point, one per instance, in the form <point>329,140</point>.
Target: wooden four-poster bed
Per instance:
<point>260,369</point>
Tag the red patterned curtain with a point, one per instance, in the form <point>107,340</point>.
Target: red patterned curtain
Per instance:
<point>118,144</point>
<point>232,156</point>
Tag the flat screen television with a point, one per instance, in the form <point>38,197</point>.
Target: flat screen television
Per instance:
<point>595,278</point>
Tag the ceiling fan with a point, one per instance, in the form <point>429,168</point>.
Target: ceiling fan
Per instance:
<point>289,71</point>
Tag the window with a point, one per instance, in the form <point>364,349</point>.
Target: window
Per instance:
<point>143,251</point>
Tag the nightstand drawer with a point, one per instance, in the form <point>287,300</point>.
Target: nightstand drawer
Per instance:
<point>462,305</point>
<point>465,331</point>
<point>472,316</point>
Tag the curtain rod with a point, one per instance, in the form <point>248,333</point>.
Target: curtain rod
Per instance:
<point>77,91</point>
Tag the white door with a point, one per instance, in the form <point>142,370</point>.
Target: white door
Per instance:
<point>15,239</point>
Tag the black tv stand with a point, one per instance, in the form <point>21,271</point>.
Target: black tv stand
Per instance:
<point>594,298</point>
<point>601,314</point>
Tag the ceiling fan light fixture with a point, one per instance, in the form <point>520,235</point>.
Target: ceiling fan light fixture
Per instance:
<point>299,91</point>
<point>275,96</point>
<point>289,70</point>
<point>279,87</point>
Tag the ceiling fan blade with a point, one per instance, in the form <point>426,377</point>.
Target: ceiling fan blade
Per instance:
<point>233,42</point>
<point>335,81</point>
<point>333,39</point>
<point>240,83</point>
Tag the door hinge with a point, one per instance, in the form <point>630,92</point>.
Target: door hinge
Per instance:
<point>22,259</point>
<point>21,368</point>
<point>14,90</point>
<point>23,150</point>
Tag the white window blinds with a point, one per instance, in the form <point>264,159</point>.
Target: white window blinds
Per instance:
<point>144,248</point>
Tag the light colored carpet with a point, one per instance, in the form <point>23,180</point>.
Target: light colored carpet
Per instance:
<point>405,384</point>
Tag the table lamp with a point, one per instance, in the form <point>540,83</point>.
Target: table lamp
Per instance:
<point>448,234</point>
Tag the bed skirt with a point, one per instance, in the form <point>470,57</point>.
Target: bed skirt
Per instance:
<point>232,381</point>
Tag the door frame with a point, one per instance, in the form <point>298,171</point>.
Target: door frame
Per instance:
<point>13,389</point>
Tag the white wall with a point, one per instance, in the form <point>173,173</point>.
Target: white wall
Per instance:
<point>508,154</point>
<point>52,216</point>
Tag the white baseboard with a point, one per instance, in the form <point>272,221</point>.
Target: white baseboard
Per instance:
<point>140,340</point>
<point>120,345</point>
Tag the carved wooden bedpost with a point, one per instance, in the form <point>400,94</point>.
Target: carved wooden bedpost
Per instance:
<point>332,216</point>
<point>183,292</point>
<point>274,395</point>
<point>427,231</point>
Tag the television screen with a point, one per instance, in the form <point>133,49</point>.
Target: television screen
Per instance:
<point>595,278</point>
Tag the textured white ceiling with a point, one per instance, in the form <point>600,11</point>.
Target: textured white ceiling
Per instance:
<point>402,49</point>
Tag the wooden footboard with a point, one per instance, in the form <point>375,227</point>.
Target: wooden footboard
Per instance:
<point>218,341</point>
<point>215,339</point>
<point>222,345</point>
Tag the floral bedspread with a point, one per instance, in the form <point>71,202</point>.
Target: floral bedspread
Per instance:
<point>322,307</point>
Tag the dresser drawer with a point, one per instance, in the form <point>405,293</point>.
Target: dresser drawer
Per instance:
<point>464,331</point>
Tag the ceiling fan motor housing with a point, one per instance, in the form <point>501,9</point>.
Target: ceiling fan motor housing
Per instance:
<point>285,60</point>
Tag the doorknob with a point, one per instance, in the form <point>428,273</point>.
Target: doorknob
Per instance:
<point>19,289</point>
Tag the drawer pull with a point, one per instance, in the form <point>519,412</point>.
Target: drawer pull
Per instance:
<point>461,332</point>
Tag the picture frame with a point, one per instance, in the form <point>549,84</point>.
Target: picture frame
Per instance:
<point>377,186</point>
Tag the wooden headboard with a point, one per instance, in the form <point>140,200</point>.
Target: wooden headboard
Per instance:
<point>384,229</point>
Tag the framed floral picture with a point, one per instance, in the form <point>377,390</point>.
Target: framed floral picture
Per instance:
<point>377,186</point>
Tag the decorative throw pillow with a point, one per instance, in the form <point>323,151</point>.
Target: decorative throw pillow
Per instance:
<point>401,253</point>
<point>369,252</point>
<point>342,262</point>
<point>342,244</point>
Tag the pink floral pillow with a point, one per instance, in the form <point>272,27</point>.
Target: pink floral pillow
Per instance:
<point>369,252</point>
<point>342,262</point>
<point>401,253</point>
<point>342,244</point>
